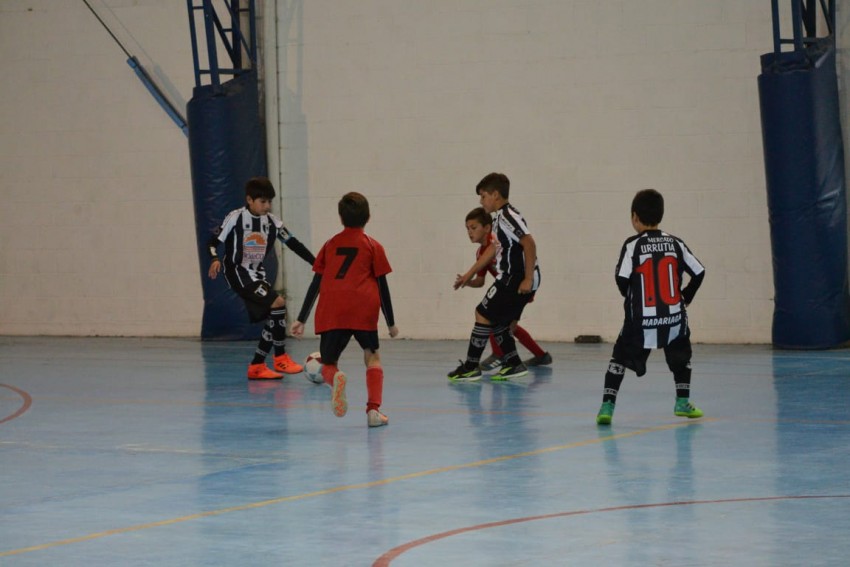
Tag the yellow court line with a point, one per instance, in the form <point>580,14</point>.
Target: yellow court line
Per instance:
<point>345,488</point>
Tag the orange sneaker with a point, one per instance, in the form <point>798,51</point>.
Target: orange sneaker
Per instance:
<point>285,364</point>
<point>338,400</point>
<point>262,372</point>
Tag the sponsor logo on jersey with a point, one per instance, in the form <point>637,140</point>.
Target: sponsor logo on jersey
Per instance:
<point>254,247</point>
<point>649,322</point>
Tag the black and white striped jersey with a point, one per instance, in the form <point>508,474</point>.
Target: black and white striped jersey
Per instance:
<point>649,275</point>
<point>508,227</point>
<point>247,239</point>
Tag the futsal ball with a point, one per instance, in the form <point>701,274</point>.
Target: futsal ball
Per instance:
<point>313,368</point>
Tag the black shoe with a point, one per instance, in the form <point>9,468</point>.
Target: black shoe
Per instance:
<point>543,360</point>
<point>508,372</point>
<point>490,363</point>
<point>463,373</point>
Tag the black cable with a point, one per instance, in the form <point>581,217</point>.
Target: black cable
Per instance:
<point>109,31</point>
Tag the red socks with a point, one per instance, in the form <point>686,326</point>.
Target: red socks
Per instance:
<point>328,372</point>
<point>374,387</point>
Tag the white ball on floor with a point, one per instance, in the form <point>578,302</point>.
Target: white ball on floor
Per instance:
<point>313,368</point>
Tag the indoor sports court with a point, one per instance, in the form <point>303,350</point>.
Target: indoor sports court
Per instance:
<point>169,461</point>
<point>130,432</point>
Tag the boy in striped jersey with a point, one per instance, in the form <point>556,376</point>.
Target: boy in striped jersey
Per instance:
<point>248,234</point>
<point>479,225</point>
<point>517,280</point>
<point>649,275</point>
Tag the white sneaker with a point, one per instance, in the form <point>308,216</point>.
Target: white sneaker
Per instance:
<point>376,419</point>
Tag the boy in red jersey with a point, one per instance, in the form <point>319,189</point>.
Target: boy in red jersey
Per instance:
<point>478,226</point>
<point>351,283</point>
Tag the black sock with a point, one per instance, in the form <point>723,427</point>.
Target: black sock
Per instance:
<point>682,378</point>
<point>506,342</point>
<point>263,346</point>
<point>613,379</point>
<point>277,325</point>
<point>477,342</point>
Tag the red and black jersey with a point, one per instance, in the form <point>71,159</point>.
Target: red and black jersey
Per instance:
<point>491,267</point>
<point>649,274</point>
<point>350,265</point>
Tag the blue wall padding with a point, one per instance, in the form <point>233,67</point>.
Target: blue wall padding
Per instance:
<point>804,167</point>
<point>226,148</point>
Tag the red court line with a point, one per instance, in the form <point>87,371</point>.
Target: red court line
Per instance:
<point>26,405</point>
<point>385,559</point>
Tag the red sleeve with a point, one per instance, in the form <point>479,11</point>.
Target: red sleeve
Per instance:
<point>319,264</point>
<point>380,263</point>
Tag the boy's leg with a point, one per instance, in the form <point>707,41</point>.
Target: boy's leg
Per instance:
<point>374,380</point>
<point>258,370</point>
<point>512,366</point>
<point>331,345</point>
<point>626,354</point>
<point>678,355</point>
<point>541,357</point>
<point>508,306</point>
<point>613,380</point>
<point>277,323</point>
<point>525,339</point>
<point>259,298</point>
<point>368,341</point>
<point>264,345</point>
<point>494,344</point>
<point>494,360</point>
<point>468,369</point>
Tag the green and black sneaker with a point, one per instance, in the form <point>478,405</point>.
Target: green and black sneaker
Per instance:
<point>464,373</point>
<point>606,413</point>
<point>684,408</point>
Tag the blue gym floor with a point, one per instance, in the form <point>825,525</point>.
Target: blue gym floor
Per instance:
<point>160,452</point>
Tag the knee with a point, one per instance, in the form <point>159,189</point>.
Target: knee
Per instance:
<point>279,302</point>
<point>372,359</point>
<point>616,367</point>
<point>479,318</point>
<point>678,362</point>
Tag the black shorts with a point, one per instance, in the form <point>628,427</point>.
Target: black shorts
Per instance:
<point>258,298</point>
<point>630,352</point>
<point>333,342</point>
<point>502,305</point>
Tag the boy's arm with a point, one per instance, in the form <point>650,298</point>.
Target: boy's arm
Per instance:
<point>623,285</point>
<point>529,251</point>
<point>387,304</point>
<point>693,285</point>
<point>212,248</point>
<point>295,245</point>
<point>482,262</point>
<point>695,270</point>
<point>297,327</point>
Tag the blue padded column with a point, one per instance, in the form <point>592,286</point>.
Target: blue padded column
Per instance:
<point>804,167</point>
<point>226,147</point>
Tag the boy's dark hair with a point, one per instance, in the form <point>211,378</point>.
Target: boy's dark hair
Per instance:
<point>497,182</point>
<point>648,205</point>
<point>479,215</point>
<point>353,210</point>
<point>259,187</point>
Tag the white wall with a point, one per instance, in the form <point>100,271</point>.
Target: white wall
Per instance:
<point>96,220</point>
<point>580,102</point>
